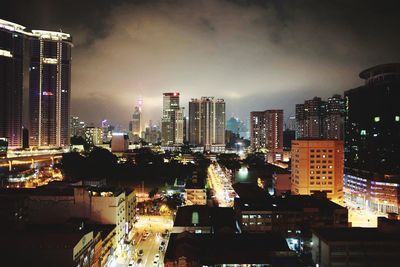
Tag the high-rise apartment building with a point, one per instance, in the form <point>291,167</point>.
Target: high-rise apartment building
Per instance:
<point>220,119</point>
<point>49,88</point>
<point>310,118</point>
<point>317,166</point>
<point>93,136</point>
<point>11,82</point>
<point>266,129</point>
<point>318,119</point>
<point>257,129</point>
<point>170,133</point>
<point>77,127</point>
<point>207,122</point>
<point>334,120</point>
<point>372,130</point>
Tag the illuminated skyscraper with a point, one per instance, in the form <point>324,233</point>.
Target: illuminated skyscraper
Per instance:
<point>135,123</point>
<point>207,122</point>
<point>11,82</point>
<point>170,133</point>
<point>372,175</point>
<point>266,129</point>
<point>318,119</point>
<point>50,88</point>
<point>334,120</point>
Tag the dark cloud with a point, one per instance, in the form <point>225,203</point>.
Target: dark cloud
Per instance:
<point>255,54</point>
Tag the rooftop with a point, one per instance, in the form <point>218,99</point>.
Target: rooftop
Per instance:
<point>200,215</point>
<point>211,249</point>
<point>287,203</point>
<point>354,234</point>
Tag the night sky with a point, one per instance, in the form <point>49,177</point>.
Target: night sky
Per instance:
<point>256,54</point>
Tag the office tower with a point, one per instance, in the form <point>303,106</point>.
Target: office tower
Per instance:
<point>334,121</point>
<point>135,123</point>
<point>317,166</point>
<point>169,133</point>
<point>11,82</point>
<point>207,122</point>
<point>93,136</point>
<point>49,88</point>
<point>372,132</point>
<point>266,128</point>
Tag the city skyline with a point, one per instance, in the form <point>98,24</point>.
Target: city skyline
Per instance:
<point>285,53</point>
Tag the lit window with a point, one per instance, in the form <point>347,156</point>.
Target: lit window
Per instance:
<point>363,132</point>
<point>397,118</point>
<point>377,119</point>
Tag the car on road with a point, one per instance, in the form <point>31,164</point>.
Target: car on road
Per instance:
<point>131,263</point>
<point>157,257</point>
<point>161,248</point>
<point>139,262</point>
<point>155,263</point>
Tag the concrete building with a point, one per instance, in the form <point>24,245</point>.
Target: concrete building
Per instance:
<point>119,142</point>
<point>356,246</point>
<point>372,174</point>
<point>204,219</point>
<point>207,123</point>
<point>317,166</point>
<point>12,38</point>
<point>135,124</point>
<point>195,192</point>
<point>266,132</point>
<point>228,249</point>
<point>318,119</point>
<point>282,183</point>
<point>50,88</point>
<point>293,215</point>
<point>93,136</point>
<point>170,134</point>
<point>59,202</point>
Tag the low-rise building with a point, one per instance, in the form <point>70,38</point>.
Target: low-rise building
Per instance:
<point>356,246</point>
<point>195,191</point>
<point>187,249</point>
<point>281,182</point>
<point>58,202</point>
<point>203,219</point>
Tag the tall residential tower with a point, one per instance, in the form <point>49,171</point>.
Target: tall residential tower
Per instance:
<point>11,82</point>
<point>172,120</point>
<point>207,122</point>
<point>49,88</point>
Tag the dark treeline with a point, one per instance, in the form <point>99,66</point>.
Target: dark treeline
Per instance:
<point>142,165</point>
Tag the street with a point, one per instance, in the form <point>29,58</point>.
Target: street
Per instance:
<point>221,184</point>
<point>155,226</point>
